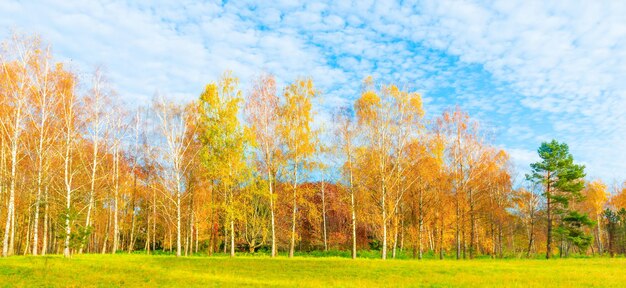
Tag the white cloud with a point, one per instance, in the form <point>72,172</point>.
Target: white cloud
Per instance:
<point>531,70</point>
<point>567,61</point>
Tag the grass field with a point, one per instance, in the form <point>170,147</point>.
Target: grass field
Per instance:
<point>168,271</point>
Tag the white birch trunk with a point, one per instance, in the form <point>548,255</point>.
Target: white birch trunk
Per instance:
<point>116,184</point>
<point>6,250</point>
<point>324,214</point>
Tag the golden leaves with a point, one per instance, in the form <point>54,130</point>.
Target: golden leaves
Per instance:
<point>296,117</point>
<point>223,136</point>
<point>596,195</point>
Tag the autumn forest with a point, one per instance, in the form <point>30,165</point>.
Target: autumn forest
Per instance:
<point>243,171</point>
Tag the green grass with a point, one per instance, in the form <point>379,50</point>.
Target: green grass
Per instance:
<point>169,271</point>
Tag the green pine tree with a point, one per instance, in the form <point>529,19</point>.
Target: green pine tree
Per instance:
<point>562,181</point>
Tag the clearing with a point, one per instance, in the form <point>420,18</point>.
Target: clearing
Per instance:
<point>143,270</point>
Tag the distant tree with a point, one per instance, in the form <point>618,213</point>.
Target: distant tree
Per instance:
<point>615,230</point>
<point>388,118</point>
<point>262,114</point>
<point>611,229</point>
<point>464,151</point>
<point>70,110</point>
<point>95,103</point>
<point>299,138</point>
<point>117,135</point>
<point>346,134</point>
<point>224,141</point>
<point>596,196</point>
<point>618,200</point>
<point>14,87</point>
<point>562,181</point>
<point>527,203</point>
<point>173,123</point>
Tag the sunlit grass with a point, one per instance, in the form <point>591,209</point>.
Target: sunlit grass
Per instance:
<point>141,270</point>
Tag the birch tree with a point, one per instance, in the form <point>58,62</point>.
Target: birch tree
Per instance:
<point>96,101</point>
<point>224,141</point>
<point>16,85</point>
<point>262,111</point>
<point>375,121</point>
<point>596,197</point>
<point>299,138</point>
<point>69,103</point>
<point>461,134</point>
<point>527,202</point>
<point>119,128</point>
<point>174,120</point>
<point>346,135</point>
<point>44,102</point>
<point>389,118</point>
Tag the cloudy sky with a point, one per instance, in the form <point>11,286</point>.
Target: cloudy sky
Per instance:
<point>529,71</point>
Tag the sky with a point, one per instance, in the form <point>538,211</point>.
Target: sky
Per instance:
<point>529,71</point>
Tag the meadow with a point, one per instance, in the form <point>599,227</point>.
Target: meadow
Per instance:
<point>222,271</point>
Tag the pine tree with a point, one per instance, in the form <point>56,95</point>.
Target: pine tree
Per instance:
<point>562,180</point>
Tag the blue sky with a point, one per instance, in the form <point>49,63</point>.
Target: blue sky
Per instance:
<point>529,71</point>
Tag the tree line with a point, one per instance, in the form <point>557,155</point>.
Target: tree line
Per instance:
<point>248,171</point>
